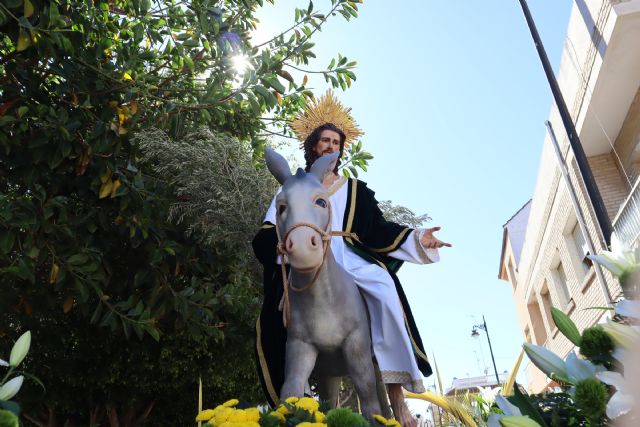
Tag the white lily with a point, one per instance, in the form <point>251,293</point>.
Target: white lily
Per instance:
<point>629,308</point>
<point>620,260</point>
<point>489,394</point>
<point>20,349</point>
<point>11,387</point>
<point>622,401</point>
<point>547,361</point>
<point>620,354</point>
<point>622,335</point>
<point>580,369</point>
<point>3,363</point>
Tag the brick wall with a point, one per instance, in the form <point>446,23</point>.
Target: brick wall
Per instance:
<point>552,243</point>
<point>627,140</point>
<point>611,184</point>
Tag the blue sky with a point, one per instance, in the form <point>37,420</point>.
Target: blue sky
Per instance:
<point>452,98</point>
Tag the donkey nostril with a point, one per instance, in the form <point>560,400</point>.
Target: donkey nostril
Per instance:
<point>314,242</point>
<point>289,245</point>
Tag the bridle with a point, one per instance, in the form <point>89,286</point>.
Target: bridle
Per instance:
<point>326,235</point>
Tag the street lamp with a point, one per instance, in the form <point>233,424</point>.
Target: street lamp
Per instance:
<point>475,334</point>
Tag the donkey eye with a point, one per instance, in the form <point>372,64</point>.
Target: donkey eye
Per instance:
<point>281,209</point>
<point>321,202</point>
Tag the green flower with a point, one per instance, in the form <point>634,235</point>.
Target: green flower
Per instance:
<point>8,419</point>
<point>596,344</point>
<point>343,417</point>
<point>591,397</point>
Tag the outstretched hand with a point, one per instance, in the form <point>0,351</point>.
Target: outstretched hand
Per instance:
<point>430,241</point>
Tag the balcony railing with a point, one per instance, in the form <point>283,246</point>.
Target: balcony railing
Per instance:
<point>627,223</point>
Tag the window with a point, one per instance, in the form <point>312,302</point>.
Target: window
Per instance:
<point>539,330</point>
<point>545,299</point>
<point>561,285</point>
<point>582,250</point>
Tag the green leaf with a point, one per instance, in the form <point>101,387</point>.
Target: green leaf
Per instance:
<point>7,239</point>
<point>273,82</point>
<point>145,6</point>
<point>268,96</point>
<point>525,406</point>
<point>96,314</point>
<point>53,12</point>
<point>155,334</point>
<point>77,259</point>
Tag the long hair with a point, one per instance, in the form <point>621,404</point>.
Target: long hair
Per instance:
<point>312,140</point>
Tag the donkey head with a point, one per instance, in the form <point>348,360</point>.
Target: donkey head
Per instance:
<point>303,200</point>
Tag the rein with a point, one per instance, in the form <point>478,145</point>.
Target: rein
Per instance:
<point>286,281</point>
<point>281,250</point>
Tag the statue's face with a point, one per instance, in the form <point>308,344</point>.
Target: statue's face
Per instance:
<point>328,143</point>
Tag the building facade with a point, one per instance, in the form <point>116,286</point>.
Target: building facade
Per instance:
<point>546,243</point>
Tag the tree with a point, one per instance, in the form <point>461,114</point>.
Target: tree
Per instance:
<point>90,259</point>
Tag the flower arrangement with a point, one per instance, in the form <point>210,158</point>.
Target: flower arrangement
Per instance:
<point>298,412</point>
<point>594,388</point>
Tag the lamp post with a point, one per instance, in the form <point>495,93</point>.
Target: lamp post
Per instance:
<point>475,334</point>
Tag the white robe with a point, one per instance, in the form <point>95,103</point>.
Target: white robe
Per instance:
<point>391,343</point>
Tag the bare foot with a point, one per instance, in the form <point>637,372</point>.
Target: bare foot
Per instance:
<point>399,407</point>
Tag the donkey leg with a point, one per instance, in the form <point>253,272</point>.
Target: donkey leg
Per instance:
<point>299,362</point>
<point>357,355</point>
<point>329,389</point>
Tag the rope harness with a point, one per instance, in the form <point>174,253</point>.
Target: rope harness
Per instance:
<point>282,251</point>
<point>287,283</point>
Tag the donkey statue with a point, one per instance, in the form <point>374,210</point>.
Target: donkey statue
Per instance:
<point>327,323</point>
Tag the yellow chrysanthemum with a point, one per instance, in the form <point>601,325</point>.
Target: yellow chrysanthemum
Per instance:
<point>382,420</point>
<point>253,414</point>
<point>222,415</point>
<point>283,410</point>
<point>238,417</point>
<point>308,424</point>
<point>205,415</point>
<point>318,416</point>
<point>239,424</point>
<point>308,403</point>
<point>279,416</point>
<point>291,400</point>
<point>231,403</point>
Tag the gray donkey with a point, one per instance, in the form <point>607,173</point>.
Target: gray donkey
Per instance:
<point>328,327</point>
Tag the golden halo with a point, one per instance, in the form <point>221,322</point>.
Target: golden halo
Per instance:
<point>326,110</point>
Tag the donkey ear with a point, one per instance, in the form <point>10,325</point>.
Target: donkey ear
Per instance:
<point>277,165</point>
<point>324,165</point>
